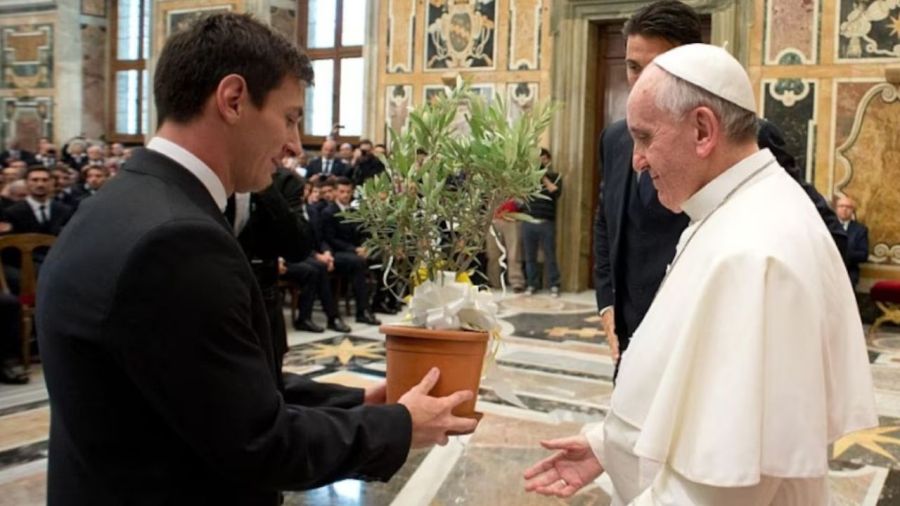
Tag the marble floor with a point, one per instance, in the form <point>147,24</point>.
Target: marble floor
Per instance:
<point>551,375</point>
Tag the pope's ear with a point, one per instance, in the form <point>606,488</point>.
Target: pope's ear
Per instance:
<point>707,128</point>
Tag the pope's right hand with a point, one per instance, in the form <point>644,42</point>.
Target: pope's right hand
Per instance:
<point>565,472</point>
<point>608,321</point>
<point>431,416</point>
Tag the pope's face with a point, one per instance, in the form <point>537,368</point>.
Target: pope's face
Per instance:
<point>663,145</point>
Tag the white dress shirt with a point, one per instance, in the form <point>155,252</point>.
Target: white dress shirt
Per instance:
<point>36,208</point>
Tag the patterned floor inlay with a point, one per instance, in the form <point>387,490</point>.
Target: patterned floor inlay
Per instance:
<point>551,376</point>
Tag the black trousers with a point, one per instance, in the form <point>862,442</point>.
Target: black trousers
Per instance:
<point>10,321</point>
<point>352,266</point>
<point>312,276</point>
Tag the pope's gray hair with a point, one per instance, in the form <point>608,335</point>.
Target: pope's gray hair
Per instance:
<point>678,97</point>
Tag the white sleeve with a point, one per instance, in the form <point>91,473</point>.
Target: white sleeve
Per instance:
<point>670,488</point>
<point>594,434</point>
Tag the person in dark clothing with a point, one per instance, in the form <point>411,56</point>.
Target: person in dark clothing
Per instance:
<point>149,314</point>
<point>857,237</point>
<point>542,231</point>
<point>269,225</point>
<point>10,344</point>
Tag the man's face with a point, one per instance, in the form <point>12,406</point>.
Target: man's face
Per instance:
<point>43,145</point>
<point>118,149</point>
<point>20,166</point>
<point>313,196</point>
<point>662,145</point>
<point>344,194</point>
<point>268,134</point>
<point>346,152</point>
<point>10,174</point>
<point>38,183</point>
<point>328,150</point>
<point>95,178</point>
<point>639,52</point>
<point>545,160</point>
<point>326,193</point>
<point>844,209</point>
<point>63,179</point>
<point>95,153</point>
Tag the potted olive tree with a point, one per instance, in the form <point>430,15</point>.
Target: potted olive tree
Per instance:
<point>428,215</point>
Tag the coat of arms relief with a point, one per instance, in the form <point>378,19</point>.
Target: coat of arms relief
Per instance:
<point>460,34</point>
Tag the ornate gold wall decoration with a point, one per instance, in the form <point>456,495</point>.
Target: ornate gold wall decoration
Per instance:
<point>27,56</point>
<point>521,97</point>
<point>401,40</point>
<point>460,34</point>
<point>524,34</point>
<point>871,162</point>
<point>868,29</point>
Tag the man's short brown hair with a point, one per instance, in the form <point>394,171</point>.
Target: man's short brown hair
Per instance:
<point>194,61</point>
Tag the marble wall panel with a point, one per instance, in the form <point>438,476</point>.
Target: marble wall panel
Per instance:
<point>26,56</point>
<point>27,119</point>
<point>847,96</point>
<point>284,21</point>
<point>93,8</point>
<point>524,34</point>
<point>871,160</point>
<point>398,101</point>
<point>460,34</point>
<point>790,105</point>
<point>401,41</point>
<point>868,30</point>
<point>791,31</point>
<point>93,40</point>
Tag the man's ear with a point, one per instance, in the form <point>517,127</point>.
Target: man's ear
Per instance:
<point>707,129</point>
<point>231,97</point>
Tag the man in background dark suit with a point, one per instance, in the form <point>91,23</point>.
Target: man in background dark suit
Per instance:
<point>857,237</point>
<point>327,164</point>
<point>269,225</point>
<point>157,352</point>
<point>634,235</point>
<point>346,242</point>
<point>39,213</point>
<point>15,152</point>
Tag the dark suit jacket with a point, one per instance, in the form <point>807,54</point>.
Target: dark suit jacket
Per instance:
<point>338,168</point>
<point>617,175</point>
<point>23,220</point>
<point>159,363</point>
<point>25,156</point>
<point>857,248</point>
<point>339,234</point>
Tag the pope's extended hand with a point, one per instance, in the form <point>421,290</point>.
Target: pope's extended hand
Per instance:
<point>566,471</point>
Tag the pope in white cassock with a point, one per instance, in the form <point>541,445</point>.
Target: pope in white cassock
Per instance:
<point>751,359</point>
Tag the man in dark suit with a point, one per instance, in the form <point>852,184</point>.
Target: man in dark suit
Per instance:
<point>156,346</point>
<point>857,237</point>
<point>346,242</point>
<point>313,275</point>
<point>269,225</point>
<point>327,164</point>
<point>39,212</point>
<point>634,235</point>
<point>14,152</point>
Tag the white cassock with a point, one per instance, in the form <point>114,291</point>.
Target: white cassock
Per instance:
<point>750,361</point>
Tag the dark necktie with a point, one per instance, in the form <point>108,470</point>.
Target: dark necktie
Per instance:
<point>327,166</point>
<point>42,209</point>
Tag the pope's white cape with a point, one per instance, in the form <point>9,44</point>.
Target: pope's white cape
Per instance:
<point>752,359</point>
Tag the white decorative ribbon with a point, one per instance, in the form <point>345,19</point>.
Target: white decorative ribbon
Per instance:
<point>449,304</point>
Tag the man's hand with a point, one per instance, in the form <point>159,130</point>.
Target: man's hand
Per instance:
<point>431,417</point>
<point>376,394</point>
<point>326,259</point>
<point>282,266</point>
<point>566,471</point>
<point>608,320</point>
<point>362,251</point>
<point>549,185</point>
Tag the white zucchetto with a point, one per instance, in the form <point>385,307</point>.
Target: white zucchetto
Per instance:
<point>711,68</point>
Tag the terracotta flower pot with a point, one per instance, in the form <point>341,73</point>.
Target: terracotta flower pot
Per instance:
<point>413,351</point>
